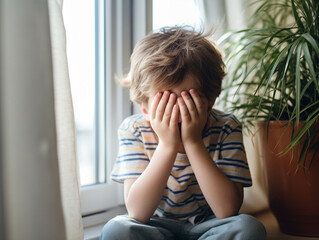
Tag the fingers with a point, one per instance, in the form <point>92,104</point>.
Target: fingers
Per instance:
<point>158,105</point>
<point>191,105</point>
<point>154,104</point>
<point>185,117</point>
<point>163,107</point>
<point>188,105</point>
<point>169,108</point>
<point>200,103</point>
<point>175,115</point>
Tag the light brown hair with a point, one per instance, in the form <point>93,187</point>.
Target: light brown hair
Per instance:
<point>161,60</point>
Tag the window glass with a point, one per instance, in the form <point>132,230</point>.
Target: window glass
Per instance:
<point>80,22</point>
<point>175,12</point>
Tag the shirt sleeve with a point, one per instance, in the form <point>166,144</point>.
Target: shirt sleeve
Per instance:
<point>231,155</point>
<point>131,160</point>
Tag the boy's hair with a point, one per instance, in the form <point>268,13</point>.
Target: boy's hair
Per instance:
<point>160,61</point>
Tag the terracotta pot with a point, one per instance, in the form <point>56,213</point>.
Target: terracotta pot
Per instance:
<point>293,195</point>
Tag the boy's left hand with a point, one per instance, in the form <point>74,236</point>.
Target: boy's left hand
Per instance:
<point>193,110</point>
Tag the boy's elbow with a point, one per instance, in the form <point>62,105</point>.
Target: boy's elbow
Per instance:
<point>139,217</point>
<point>226,212</point>
<point>139,213</point>
<point>223,215</point>
<point>230,209</point>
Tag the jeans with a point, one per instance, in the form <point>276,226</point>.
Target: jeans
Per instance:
<point>242,226</point>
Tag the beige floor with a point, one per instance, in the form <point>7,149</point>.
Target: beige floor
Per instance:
<point>273,233</point>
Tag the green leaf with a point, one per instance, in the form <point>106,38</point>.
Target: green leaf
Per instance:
<point>297,18</point>
<point>311,120</point>
<point>312,41</point>
<point>310,64</point>
<point>297,83</point>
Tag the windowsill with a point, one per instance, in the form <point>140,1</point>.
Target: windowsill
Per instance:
<point>94,224</point>
<point>93,233</point>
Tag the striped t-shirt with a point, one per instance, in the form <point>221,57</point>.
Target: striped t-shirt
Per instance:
<point>182,197</point>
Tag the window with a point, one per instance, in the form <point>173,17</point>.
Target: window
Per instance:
<point>98,48</point>
<point>176,12</point>
<point>82,52</point>
<point>100,35</point>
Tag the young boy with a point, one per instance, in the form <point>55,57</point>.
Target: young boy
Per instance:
<point>183,163</point>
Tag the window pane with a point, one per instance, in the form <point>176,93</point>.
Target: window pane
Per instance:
<point>175,12</point>
<point>80,24</point>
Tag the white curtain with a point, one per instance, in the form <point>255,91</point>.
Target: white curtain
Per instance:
<point>38,170</point>
<point>224,16</point>
<point>65,125</point>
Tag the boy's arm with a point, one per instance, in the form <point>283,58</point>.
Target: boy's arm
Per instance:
<point>142,195</point>
<point>223,195</point>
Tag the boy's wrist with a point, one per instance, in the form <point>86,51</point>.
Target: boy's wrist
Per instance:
<point>192,144</point>
<point>191,140</point>
<point>167,147</point>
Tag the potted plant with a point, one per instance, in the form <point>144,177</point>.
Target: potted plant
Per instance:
<point>273,82</point>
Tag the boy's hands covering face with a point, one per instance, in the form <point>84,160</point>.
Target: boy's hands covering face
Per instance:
<point>193,111</point>
<point>164,119</point>
<point>166,109</point>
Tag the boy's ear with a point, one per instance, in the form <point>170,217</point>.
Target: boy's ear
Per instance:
<point>144,111</point>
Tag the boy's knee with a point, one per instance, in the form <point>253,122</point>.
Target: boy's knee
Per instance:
<point>251,227</point>
<point>117,228</point>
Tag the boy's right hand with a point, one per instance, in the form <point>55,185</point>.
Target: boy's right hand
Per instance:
<point>164,119</point>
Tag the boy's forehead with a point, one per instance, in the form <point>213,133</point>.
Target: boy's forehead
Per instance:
<point>186,84</point>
